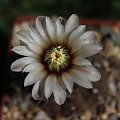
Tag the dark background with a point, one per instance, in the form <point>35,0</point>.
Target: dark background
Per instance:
<point>12,9</point>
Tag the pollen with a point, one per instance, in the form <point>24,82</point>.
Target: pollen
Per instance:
<point>57,59</point>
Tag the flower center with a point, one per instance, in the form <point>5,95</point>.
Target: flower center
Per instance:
<point>57,59</point>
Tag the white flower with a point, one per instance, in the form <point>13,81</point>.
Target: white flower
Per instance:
<point>55,57</point>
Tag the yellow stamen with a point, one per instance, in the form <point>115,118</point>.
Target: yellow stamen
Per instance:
<point>57,58</point>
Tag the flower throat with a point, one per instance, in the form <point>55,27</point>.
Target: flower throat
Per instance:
<point>57,59</point>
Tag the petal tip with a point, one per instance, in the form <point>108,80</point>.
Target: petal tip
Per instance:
<point>100,47</point>
<point>26,84</point>
<point>35,97</point>
<point>39,17</point>
<point>74,15</point>
<point>48,19</point>
<point>18,33</point>
<point>83,26</point>
<point>59,102</point>
<point>12,68</point>
<point>99,77</point>
<point>12,49</point>
<point>46,96</point>
<point>90,86</point>
<point>70,91</point>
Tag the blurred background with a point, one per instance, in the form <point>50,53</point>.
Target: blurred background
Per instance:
<point>100,103</point>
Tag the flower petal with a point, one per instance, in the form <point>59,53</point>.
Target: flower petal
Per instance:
<point>88,37</point>
<point>79,78</point>
<point>24,36</point>
<point>81,61</point>
<point>36,36</point>
<point>42,87</point>
<point>94,75</point>
<point>51,28</point>
<point>88,50</point>
<point>41,27</point>
<point>35,91</point>
<point>59,93</point>
<point>49,85</point>
<point>33,66</point>
<point>23,50</point>
<point>19,64</point>
<point>36,48</point>
<point>75,35</point>
<point>68,81</point>
<point>60,81</point>
<point>71,24</point>
<point>34,77</point>
<point>60,31</point>
<point>38,89</point>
